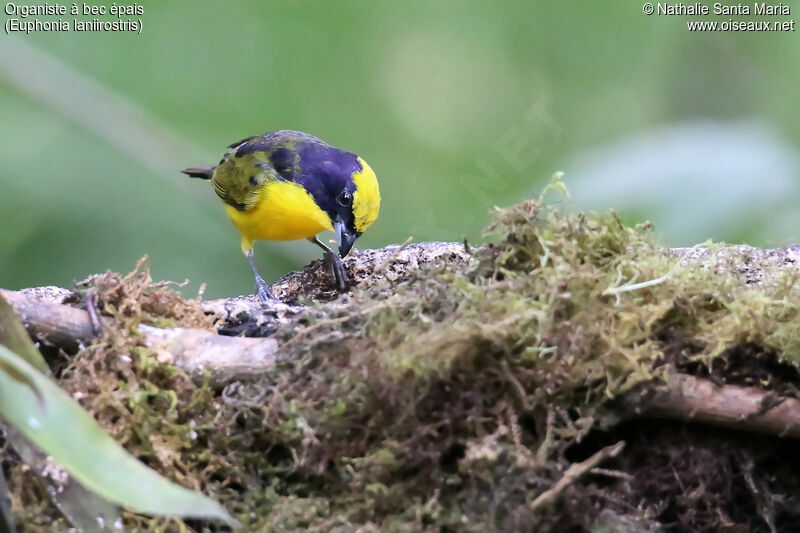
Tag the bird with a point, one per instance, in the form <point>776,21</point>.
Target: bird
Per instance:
<point>288,185</point>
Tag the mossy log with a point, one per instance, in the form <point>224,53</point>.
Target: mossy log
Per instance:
<point>572,374</point>
<point>227,358</point>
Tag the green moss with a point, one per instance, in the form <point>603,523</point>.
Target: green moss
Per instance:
<point>452,403</point>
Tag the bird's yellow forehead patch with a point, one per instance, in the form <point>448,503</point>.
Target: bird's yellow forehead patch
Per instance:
<point>367,198</point>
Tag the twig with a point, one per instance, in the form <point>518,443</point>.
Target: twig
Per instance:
<point>53,324</point>
<point>91,306</point>
<point>611,473</point>
<point>198,352</point>
<point>524,455</point>
<point>693,399</point>
<point>544,447</point>
<point>574,472</point>
<point>517,386</point>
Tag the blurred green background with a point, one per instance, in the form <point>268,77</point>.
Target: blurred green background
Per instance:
<point>457,105</point>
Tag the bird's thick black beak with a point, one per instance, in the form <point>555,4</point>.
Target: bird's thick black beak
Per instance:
<point>344,238</point>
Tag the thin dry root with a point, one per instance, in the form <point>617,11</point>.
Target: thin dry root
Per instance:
<point>574,472</point>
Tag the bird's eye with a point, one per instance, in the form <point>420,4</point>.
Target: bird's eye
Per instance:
<point>345,198</point>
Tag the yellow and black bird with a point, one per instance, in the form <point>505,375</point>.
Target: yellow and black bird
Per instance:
<point>287,185</point>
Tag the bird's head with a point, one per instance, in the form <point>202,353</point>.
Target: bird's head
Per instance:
<point>357,206</point>
<point>347,190</point>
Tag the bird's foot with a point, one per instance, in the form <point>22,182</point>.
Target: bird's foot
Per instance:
<point>263,291</point>
<point>340,277</point>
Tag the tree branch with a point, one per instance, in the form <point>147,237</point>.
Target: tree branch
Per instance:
<point>51,323</point>
<point>689,398</point>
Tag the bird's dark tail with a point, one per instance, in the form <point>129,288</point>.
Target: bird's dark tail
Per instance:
<point>200,172</point>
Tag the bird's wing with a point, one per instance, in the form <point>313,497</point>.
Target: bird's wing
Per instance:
<point>284,150</point>
<point>255,161</point>
<point>240,177</point>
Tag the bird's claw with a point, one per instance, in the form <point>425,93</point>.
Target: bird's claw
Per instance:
<point>340,277</point>
<point>263,292</point>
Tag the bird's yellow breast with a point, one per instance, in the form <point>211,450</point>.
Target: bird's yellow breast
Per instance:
<point>284,212</point>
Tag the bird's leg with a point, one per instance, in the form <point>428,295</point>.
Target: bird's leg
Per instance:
<point>335,264</point>
<point>262,289</point>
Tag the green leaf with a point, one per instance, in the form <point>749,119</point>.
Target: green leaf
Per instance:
<point>59,426</point>
<point>85,510</point>
<point>14,373</point>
